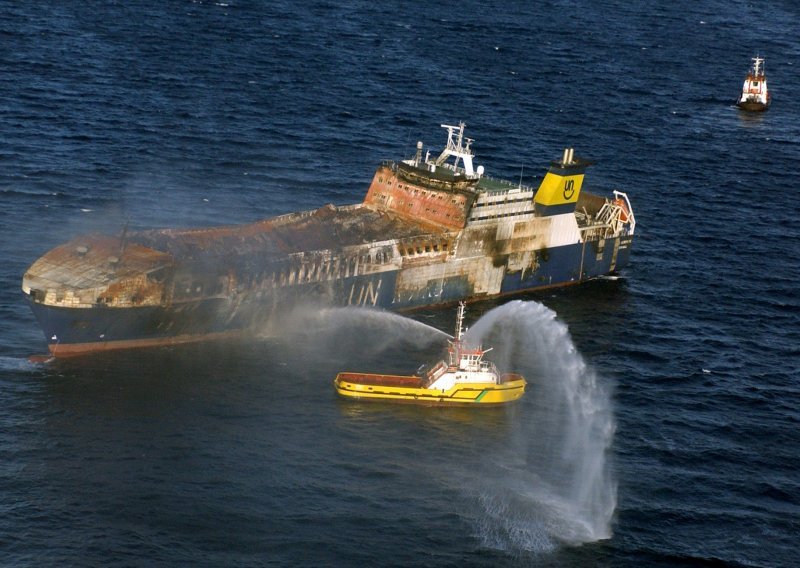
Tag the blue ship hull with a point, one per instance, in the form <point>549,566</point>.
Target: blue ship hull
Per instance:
<point>429,232</point>
<point>74,331</point>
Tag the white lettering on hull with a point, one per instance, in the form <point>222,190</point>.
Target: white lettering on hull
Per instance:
<point>367,294</point>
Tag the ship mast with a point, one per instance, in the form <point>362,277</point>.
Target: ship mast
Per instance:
<point>757,61</point>
<point>455,346</point>
<point>458,149</point>
<point>459,321</point>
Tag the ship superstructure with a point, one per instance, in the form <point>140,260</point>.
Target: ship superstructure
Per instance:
<point>755,95</point>
<point>431,230</point>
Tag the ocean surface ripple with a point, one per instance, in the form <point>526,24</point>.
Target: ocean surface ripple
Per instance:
<point>661,426</point>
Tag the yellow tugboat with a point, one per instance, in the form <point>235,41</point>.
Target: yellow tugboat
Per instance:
<point>466,379</point>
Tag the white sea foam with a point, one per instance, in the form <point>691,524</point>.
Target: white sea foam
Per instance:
<point>15,364</point>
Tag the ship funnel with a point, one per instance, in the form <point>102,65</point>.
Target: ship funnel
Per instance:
<point>561,186</point>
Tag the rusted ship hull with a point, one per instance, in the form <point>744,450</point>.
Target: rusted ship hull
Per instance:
<point>753,106</point>
<point>417,240</point>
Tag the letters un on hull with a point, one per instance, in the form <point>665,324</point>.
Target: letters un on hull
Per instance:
<point>431,230</point>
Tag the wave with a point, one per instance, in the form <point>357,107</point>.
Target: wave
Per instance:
<point>15,364</point>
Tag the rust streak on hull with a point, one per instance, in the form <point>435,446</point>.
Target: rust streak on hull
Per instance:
<point>64,350</point>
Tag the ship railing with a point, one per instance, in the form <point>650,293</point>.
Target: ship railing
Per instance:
<point>600,226</point>
<point>457,171</point>
<point>451,167</point>
<point>596,232</point>
<point>617,215</point>
<point>506,183</point>
<point>436,372</point>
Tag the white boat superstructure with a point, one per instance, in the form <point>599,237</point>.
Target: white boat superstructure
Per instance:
<point>464,379</point>
<point>755,95</point>
<point>465,365</point>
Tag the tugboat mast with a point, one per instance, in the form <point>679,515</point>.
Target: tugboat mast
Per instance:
<point>459,321</point>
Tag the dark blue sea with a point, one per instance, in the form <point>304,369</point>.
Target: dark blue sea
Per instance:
<point>661,426</point>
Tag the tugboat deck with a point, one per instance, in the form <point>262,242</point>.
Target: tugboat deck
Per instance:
<point>467,379</point>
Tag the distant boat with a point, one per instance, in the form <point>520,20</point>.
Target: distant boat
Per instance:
<point>465,380</point>
<point>755,96</point>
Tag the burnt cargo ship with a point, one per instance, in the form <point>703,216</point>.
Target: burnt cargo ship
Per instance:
<point>431,230</point>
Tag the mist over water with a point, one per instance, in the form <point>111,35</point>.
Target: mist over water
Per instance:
<point>241,453</point>
<point>354,332</point>
<point>552,484</point>
<point>533,476</point>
